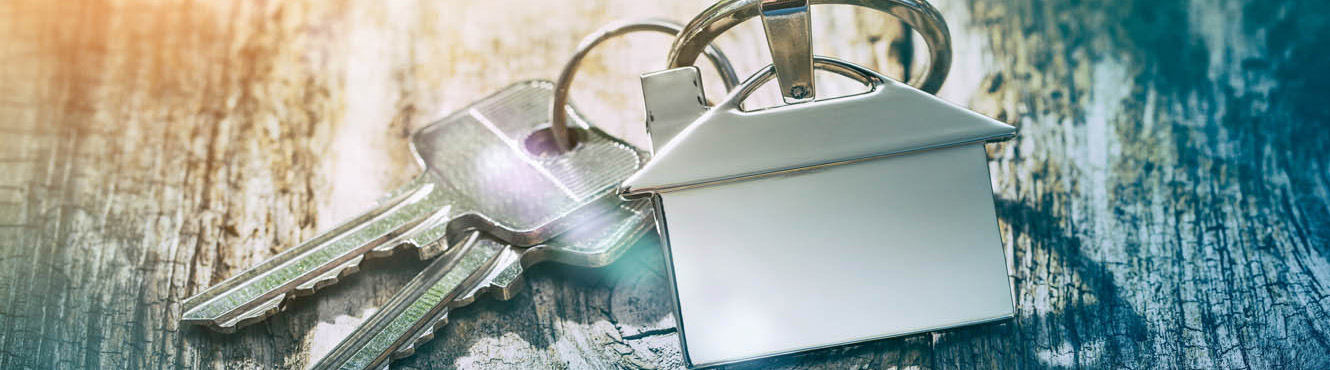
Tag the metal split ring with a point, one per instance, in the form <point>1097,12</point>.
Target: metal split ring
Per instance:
<point>918,14</point>
<point>559,117</point>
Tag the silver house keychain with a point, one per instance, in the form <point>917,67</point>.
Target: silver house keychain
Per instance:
<point>821,222</point>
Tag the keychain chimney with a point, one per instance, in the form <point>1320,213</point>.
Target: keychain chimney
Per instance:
<point>674,98</point>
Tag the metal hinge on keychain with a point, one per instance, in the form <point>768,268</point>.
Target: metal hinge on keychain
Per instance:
<point>825,222</point>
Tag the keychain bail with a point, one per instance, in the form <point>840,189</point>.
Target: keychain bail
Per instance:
<point>564,139</point>
<point>865,76</point>
<point>790,38</point>
<point>918,14</point>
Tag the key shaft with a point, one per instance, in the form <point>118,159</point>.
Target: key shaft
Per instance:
<point>479,174</point>
<point>259,291</point>
<point>425,296</point>
<point>483,267</point>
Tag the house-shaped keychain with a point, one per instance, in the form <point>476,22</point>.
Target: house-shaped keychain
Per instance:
<point>823,223</point>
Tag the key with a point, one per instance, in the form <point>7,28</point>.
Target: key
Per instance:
<point>482,172</point>
<point>480,265</point>
<point>484,265</point>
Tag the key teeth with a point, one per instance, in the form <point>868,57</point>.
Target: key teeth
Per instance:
<point>274,305</point>
<point>410,348</point>
<point>501,292</point>
<point>506,291</point>
<point>389,249</point>
<point>505,284</point>
<point>425,335</point>
<point>350,267</point>
<point>329,278</point>
<point>260,312</point>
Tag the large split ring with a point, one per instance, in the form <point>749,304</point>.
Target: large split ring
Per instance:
<point>559,115</point>
<point>919,15</point>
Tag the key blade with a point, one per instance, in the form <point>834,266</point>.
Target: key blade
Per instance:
<point>259,291</point>
<point>412,316</point>
<point>422,302</point>
<point>479,175</point>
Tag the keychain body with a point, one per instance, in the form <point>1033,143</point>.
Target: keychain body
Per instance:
<point>825,223</point>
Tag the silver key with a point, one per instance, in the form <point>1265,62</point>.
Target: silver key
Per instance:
<point>480,174</point>
<point>479,265</point>
<point>483,265</point>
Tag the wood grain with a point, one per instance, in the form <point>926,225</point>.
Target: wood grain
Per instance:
<point>1166,205</point>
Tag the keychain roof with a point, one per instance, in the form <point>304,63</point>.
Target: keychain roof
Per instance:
<point>729,144</point>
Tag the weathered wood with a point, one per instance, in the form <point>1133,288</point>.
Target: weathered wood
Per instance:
<point>1166,205</point>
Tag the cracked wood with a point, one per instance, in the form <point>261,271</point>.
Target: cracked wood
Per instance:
<point>1166,205</point>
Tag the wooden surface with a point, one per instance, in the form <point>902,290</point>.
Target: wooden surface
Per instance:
<point>1167,204</point>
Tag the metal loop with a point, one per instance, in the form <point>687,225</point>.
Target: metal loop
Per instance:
<point>559,117</point>
<point>853,71</point>
<point>918,14</point>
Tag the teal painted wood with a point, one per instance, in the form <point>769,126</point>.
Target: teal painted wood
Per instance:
<point>1166,205</point>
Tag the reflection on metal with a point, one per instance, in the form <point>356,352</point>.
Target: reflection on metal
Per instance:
<point>479,175</point>
<point>477,266</point>
<point>919,15</point>
<point>828,222</point>
<point>790,38</point>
